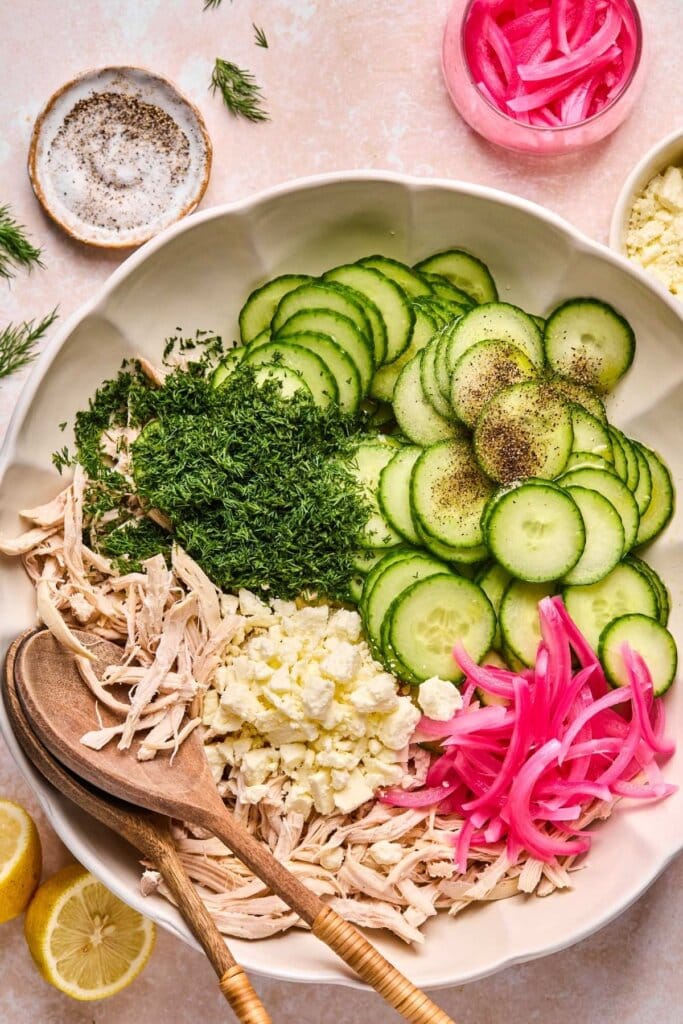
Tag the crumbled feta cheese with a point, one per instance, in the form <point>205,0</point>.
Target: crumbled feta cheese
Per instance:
<point>378,694</point>
<point>342,663</point>
<point>301,697</point>
<point>396,729</point>
<point>299,800</point>
<point>258,764</point>
<point>439,699</point>
<point>655,231</point>
<point>385,853</point>
<point>345,624</point>
<point>321,791</point>
<point>317,696</point>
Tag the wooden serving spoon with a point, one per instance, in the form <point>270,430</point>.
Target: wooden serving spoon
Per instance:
<point>150,834</point>
<point>60,710</point>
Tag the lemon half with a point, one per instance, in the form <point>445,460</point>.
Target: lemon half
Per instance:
<point>20,859</point>
<point>85,941</point>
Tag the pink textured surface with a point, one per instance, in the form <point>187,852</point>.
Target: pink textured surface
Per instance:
<point>348,85</point>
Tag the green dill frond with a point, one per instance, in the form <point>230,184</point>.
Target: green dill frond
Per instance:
<point>259,36</point>
<point>241,94</point>
<point>18,343</point>
<point>15,248</point>
<point>209,4</point>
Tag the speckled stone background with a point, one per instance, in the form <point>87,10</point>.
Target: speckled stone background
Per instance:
<point>349,84</point>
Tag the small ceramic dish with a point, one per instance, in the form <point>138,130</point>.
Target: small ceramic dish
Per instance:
<point>667,151</point>
<point>118,154</point>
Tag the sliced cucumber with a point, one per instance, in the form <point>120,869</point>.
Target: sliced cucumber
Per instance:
<point>342,330</point>
<point>663,597</point>
<point>392,581</point>
<point>536,532</point>
<point>441,366</point>
<point>588,341</point>
<point>324,295</point>
<point>448,493</point>
<point>630,458</point>
<point>257,311</point>
<point>580,394</point>
<point>290,381</point>
<point>622,592</point>
<point>518,619</point>
<point>661,507</point>
<point>430,385</point>
<point>445,289</point>
<point>643,491</point>
<point>395,310</point>
<point>604,537</point>
<point>227,366</point>
<point>394,492</point>
<point>589,434</point>
<point>364,561</point>
<point>454,556</point>
<point>496,321</point>
<point>391,555</point>
<point>355,589</point>
<point>418,420</point>
<point>588,460</point>
<point>616,492</point>
<point>369,460</point>
<point>618,454</point>
<point>261,339</point>
<point>340,365</point>
<point>308,365</point>
<point>524,430</point>
<point>384,380</point>
<point>493,580</point>
<point>442,310</point>
<point>412,283</point>
<point>652,641</point>
<point>463,270</point>
<point>481,372</point>
<point>432,615</point>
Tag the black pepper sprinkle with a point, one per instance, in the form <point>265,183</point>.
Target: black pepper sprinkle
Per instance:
<point>136,132</point>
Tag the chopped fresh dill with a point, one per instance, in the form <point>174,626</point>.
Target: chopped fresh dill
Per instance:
<point>241,94</point>
<point>211,3</point>
<point>15,248</point>
<point>257,489</point>
<point>18,343</point>
<point>259,36</point>
<point>63,425</point>
<point>61,460</point>
<point>210,343</point>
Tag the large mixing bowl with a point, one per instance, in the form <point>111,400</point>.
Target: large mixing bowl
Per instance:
<point>196,275</point>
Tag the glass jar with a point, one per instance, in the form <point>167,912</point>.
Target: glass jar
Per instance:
<point>504,130</point>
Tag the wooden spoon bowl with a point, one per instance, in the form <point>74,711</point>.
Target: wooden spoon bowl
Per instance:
<point>60,709</point>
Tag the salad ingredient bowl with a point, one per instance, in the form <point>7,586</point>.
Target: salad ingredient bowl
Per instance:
<point>195,276</point>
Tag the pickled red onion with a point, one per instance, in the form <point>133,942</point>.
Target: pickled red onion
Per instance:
<point>525,773</point>
<point>582,52</point>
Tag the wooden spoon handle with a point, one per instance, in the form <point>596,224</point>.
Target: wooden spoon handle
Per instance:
<point>234,983</point>
<point>411,1002</point>
<point>341,936</point>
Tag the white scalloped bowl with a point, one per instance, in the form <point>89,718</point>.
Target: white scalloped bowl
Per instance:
<point>196,275</point>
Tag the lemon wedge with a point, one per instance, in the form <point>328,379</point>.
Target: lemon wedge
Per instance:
<point>20,859</point>
<point>85,941</point>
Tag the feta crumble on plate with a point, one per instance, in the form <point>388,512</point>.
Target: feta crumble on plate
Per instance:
<point>299,694</point>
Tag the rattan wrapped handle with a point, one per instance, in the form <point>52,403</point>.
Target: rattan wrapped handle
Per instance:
<point>408,1000</point>
<point>237,989</point>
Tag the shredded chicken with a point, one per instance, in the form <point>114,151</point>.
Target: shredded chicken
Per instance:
<point>173,627</point>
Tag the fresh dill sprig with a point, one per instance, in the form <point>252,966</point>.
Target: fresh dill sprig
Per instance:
<point>208,4</point>
<point>15,248</point>
<point>259,36</point>
<point>241,94</point>
<point>18,343</point>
